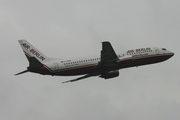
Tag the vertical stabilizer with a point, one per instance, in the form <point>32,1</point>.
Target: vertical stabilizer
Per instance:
<point>30,51</point>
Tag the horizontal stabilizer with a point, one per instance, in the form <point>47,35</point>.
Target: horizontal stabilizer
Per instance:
<point>22,72</point>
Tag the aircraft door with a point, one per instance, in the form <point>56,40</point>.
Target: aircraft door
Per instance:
<point>56,66</point>
<point>156,50</point>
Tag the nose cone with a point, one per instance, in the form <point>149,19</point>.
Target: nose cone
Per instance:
<point>171,53</point>
<point>168,54</point>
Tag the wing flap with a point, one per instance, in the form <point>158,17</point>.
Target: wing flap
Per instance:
<point>80,78</point>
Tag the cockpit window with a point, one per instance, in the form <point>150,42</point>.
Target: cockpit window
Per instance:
<point>163,49</point>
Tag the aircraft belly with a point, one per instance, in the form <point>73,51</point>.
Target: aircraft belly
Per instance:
<point>78,71</point>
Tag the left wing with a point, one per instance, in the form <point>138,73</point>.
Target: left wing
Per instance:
<point>80,78</point>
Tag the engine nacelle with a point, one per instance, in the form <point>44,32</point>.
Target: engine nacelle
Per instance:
<point>110,74</point>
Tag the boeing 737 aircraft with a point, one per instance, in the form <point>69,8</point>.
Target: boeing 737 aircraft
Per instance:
<point>106,65</point>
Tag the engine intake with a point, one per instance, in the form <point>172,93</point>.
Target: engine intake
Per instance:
<point>110,74</point>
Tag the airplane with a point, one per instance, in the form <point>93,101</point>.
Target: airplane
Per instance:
<point>106,66</point>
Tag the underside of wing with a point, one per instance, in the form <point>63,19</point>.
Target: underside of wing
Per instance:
<point>108,55</point>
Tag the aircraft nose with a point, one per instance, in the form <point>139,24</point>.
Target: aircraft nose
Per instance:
<point>171,54</point>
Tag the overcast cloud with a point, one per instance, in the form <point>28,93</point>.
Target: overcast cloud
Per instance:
<point>72,29</point>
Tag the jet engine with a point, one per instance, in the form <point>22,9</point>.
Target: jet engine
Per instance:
<point>110,74</point>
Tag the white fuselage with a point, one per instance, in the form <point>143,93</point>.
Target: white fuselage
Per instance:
<point>130,58</point>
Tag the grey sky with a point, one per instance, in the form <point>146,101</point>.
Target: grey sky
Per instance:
<point>72,29</point>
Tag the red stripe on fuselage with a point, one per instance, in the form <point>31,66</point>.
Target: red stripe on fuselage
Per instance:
<point>137,61</point>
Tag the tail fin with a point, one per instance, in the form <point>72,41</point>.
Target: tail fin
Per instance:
<point>30,51</point>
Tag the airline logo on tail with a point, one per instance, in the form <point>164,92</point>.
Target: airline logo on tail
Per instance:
<point>34,52</point>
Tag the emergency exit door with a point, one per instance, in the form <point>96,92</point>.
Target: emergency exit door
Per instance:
<point>156,50</point>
